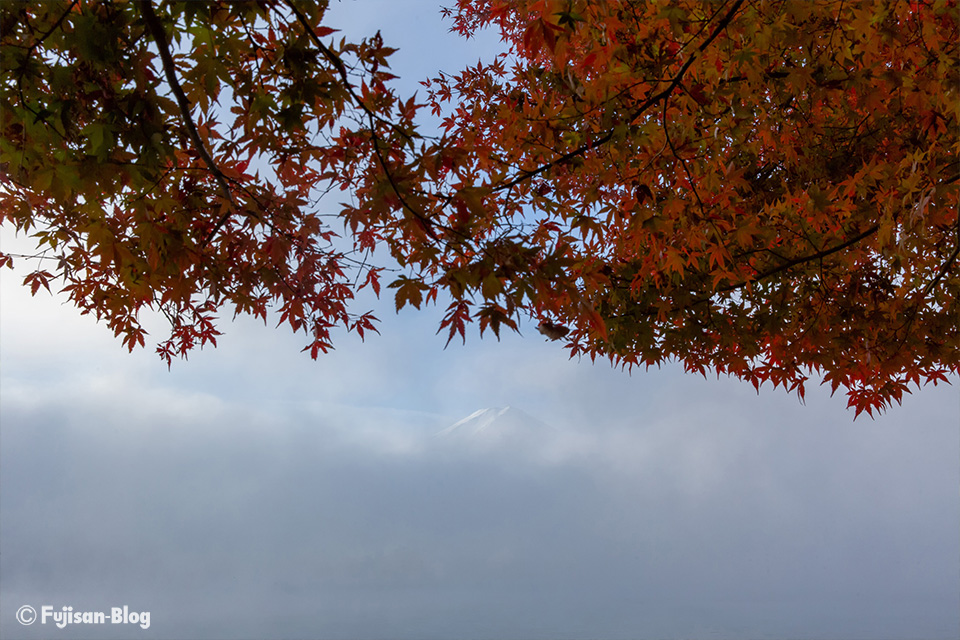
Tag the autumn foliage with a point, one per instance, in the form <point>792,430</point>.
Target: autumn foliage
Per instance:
<point>764,189</point>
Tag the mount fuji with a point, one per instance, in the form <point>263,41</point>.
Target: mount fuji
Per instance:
<point>496,427</point>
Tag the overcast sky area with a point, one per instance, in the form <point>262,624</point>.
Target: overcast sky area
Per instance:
<point>251,492</point>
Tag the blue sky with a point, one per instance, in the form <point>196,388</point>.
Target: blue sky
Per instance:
<point>251,492</point>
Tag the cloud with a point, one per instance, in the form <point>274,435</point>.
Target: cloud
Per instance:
<point>253,492</point>
<point>325,522</point>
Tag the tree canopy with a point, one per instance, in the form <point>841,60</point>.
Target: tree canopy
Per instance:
<point>759,188</point>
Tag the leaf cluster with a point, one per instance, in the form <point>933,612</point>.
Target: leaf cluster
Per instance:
<point>763,189</point>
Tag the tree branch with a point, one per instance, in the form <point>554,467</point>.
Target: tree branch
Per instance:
<point>170,70</point>
<point>26,60</point>
<point>639,111</point>
<point>372,118</point>
<point>763,275</point>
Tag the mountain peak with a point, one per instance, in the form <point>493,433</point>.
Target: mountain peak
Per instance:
<point>496,426</point>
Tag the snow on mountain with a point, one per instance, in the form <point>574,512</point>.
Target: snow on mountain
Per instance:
<point>497,427</point>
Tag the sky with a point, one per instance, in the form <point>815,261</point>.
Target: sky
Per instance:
<point>251,492</point>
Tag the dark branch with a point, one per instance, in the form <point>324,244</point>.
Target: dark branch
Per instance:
<point>372,117</point>
<point>170,70</point>
<point>639,111</point>
<point>26,60</point>
<point>763,275</point>
<point>946,265</point>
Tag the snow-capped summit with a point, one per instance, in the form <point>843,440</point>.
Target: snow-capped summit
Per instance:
<point>498,426</point>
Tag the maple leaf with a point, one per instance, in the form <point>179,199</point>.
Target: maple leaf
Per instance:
<point>767,191</point>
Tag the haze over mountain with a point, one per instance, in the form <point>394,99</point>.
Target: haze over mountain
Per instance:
<point>497,527</point>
